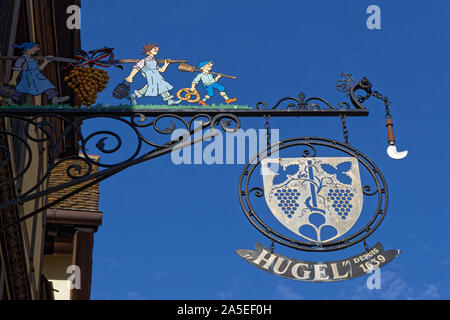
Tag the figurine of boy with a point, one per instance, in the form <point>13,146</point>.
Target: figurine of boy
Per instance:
<point>32,82</point>
<point>156,85</point>
<point>210,83</point>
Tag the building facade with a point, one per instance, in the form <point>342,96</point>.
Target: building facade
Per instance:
<point>48,256</point>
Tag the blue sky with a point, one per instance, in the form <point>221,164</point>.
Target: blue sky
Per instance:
<point>169,231</point>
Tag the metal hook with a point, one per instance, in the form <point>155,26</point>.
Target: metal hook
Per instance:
<point>366,247</point>
<point>392,149</point>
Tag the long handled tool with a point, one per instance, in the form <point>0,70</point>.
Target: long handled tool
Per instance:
<point>70,60</point>
<point>188,68</point>
<point>392,149</point>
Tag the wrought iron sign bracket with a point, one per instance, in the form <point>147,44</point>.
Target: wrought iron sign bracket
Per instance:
<point>147,126</point>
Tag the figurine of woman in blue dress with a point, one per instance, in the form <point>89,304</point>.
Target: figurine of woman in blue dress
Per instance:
<point>156,85</point>
<point>32,81</point>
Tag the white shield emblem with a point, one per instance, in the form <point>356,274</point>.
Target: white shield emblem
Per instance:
<point>320,200</point>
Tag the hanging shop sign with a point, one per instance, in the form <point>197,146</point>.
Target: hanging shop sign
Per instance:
<point>314,203</point>
<point>353,267</point>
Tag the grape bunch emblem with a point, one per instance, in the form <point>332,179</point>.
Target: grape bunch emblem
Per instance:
<point>287,200</point>
<point>341,201</point>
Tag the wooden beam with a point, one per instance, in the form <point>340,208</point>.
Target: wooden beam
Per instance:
<point>11,240</point>
<point>30,18</point>
<point>74,217</point>
<point>3,286</point>
<point>12,39</point>
<point>82,257</point>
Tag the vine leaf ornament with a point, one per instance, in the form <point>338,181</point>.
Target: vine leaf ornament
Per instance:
<point>345,85</point>
<point>287,173</point>
<point>339,171</point>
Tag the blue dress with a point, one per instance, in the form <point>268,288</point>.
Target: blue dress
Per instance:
<point>156,83</point>
<point>33,82</point>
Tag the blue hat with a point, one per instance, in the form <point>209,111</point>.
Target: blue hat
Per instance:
<point>202,64</point>
<point>25,45</point>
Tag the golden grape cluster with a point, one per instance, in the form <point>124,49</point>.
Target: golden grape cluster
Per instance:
<point>87,82</point>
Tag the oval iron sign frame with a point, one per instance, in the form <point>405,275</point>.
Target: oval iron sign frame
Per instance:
<point>381,190</point>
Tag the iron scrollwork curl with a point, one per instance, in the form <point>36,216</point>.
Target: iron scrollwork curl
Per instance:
<point>7,159</point>
<point>302,103</point>
<point>259,192</point>
<point>41,130</point>
<point>347,85</point>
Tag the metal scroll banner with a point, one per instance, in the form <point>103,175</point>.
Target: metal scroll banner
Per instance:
<point>345,269</point>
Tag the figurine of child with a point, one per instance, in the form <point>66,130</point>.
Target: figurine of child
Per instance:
<point>210,83</point>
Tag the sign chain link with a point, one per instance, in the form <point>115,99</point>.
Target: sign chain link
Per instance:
<point>268,138</point>
<point>344,127</point>
<point>268,134</point>
<point>386,101</point>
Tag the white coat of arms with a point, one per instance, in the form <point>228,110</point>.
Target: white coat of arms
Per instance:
<point>320,201</point>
